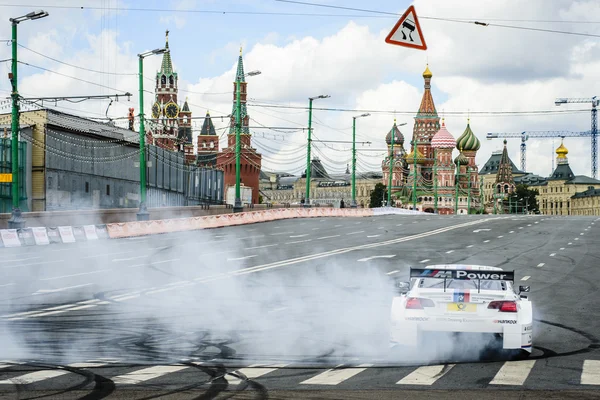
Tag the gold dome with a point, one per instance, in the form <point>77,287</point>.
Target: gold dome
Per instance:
<point>562,151</point>
<point>427,73</point>
<point>410,157</point>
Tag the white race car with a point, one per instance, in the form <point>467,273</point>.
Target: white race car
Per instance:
<point>462,299</point>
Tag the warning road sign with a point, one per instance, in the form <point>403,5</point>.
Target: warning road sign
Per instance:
<point>407,31</point>
<point>5,178</point>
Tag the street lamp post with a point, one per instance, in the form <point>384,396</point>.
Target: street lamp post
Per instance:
<point>435,182</point>
<point>237,206</point>
<point>414,192</point>
<point>310,101</point>
<point>16,221</point>
<point>143,214</point>
<point>457,184</point>
<point>353,205</point>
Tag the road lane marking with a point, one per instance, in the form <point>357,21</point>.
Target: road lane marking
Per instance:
<point>337,226</point>
<point>261,247</point>
<point>570,243</point>
<point>8,284</point>
<point>581,234</point>
<point>529,225</point>
<point>274,234</point>
<point>335,376</point>
<point>381,227</point>
<point>500,237</point>
<point>485,241</point>
<point>398,224</point>
<point>590,375</point>
<point>70,276</point>
<point>425,375</point>
<point>38,263</point>
<point>373,236</point>
<point>562,248</point>
<point>19,260</point>
<point>541,264</point>
<point>525,278</point>
<point>315,229</point>
<point>129,259</point>
<point>300,241</point>
<point>513,373</point>
<point>450,251</point>
<point>88,365</point>
<point>576,238</point>
<point>552,254</point>
<point>299,236</point>
<point>520,227</point>
<point>328,237</point>
<point>109,254</point>
<point>374,257</point>
<point>242,258</point>
<point>146,374</point>
<point>33,377</point>
<point>44,291</point>
<point>424,261</point>
<point>469,246</point>
<point>251,372</point>
<point>355,233</point>
<point>511,232</point>
<point>392,272</point>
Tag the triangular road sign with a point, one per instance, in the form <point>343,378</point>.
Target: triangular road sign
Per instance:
<point>407,31</point>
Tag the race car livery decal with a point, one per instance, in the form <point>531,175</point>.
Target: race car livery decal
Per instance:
<point>433,273</point>
<point>462,297</point>
<point>461,274</point>
<point>505,321</point>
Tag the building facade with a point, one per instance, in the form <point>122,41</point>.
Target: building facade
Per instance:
<point>250,159</point>
<point>489,174</point>
<point>555,195</point>
<point>77,163</point>
<point>427,178</point>
<point>586,202</point>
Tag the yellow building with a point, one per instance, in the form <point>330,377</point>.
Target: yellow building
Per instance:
<point>555,197</point>
<point>586,203</point>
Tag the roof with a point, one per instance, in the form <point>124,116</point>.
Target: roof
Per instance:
<point>208,128</point>
<point>504,174</point>
<point>427,107</point>
<point>88,126</point>
<point>239,75</point>
<point>468,141</point>
<point>492,164</point>
<point>582,180</point>
<point>166,67</point>
<point>530,180</point>
<point>443,139</point>
<point>587,193</point>
<point>184,134</point>
<point>186,107</point>
<point>562,173</point>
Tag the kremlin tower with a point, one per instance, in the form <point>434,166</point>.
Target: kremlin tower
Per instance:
<point>395,143</point>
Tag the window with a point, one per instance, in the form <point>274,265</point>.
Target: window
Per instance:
<point>163,79</point>
<point>108,190</point>
<point>171,80</point>
<point>87,187</point>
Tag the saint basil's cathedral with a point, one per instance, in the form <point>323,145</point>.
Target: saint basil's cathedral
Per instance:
<point>429,167</point>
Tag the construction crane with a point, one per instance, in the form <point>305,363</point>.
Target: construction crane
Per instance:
<point>593,131</point>
<point>524,136</point>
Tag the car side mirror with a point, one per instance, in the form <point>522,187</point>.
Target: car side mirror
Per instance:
<point>403,287</point>
<point>524,289</point>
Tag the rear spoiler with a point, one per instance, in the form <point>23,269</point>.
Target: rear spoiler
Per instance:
<point>463,274</point>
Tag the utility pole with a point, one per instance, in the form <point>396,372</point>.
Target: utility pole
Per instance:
<point>435,182</point>
<point>481,205</point>
<point>389,188</point>
<point>16,221</point>
<point>469,195</point>
<point>414,194</point>
<point>353,205</point>
<point>308,163</point>
<point>142,214</point>
<point>237,206</point>
<point>457,179</point>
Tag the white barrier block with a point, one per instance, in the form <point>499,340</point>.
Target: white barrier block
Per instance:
<point>90,232</point>
<point>66,234</point>
<point>10,238</point>
<point>40,236</point>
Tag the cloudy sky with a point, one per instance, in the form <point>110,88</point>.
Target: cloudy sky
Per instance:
<point>505,79</point>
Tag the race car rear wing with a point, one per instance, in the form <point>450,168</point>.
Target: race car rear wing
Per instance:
<point>463,274</point>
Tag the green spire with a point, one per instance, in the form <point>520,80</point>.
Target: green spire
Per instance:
<point>166,67</point>
<point>240,68</point>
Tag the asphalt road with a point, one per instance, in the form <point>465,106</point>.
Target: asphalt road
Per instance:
<point>290,309</point>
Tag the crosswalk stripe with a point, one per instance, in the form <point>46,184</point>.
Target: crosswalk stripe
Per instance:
<point>591,372</point>
<point>513,373</point>
<point>251,372</point>
<point>335,376</point>
<point>425,375</point>
<point>87,365</point>
<point>146,374</point>
<point>34,377</point>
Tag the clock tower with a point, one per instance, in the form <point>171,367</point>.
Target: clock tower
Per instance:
<point>165,122</point>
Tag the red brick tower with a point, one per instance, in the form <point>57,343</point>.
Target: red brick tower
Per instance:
<point>208,143</point>
<point>250,162</point>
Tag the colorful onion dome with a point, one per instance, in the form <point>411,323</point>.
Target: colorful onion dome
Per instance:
<point>443,139</point>
<point>562,151</point>
<point>398,136</point>
<point>427,73</point>
<point>410,157</point>
<point>461,159</point>
<point>468,141</point>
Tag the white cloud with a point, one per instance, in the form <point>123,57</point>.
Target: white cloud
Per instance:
<point>475,68</point>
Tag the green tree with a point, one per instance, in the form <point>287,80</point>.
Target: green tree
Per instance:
<point>377,195</point>
<point>528,196</point>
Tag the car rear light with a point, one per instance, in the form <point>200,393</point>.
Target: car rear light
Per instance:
<point>417,303</point>
<point>503,306</point>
